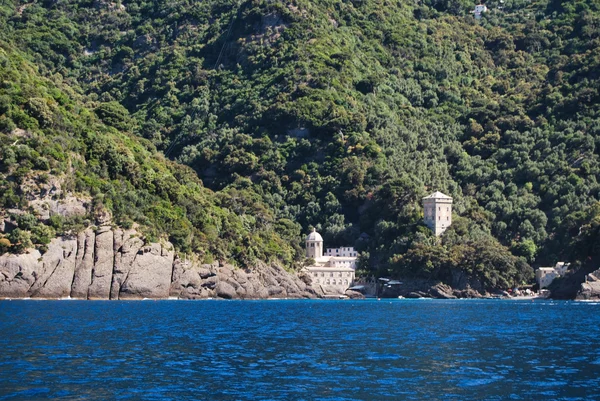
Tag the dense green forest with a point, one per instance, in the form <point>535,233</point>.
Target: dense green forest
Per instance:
<point>336,114</point>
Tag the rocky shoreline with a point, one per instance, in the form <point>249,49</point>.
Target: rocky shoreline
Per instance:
<point>117,264</point>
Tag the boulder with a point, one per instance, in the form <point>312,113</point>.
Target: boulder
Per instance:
<point>224,290</point>
<point>276,291</point>
<point>441,291</point>
<point>590,289</point>
<point>354,294</point>
<point>18,273</point>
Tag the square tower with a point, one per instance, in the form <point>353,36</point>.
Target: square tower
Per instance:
<point>437,212</point>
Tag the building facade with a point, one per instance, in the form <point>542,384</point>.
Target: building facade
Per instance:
<point>479,10</point>
<point>545,275</point>
<point>347,251</point>
<point>335,271</point>
<point>334,279</point>
<point>437,212</point>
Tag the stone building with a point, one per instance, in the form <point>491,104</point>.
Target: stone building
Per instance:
<point>545,275</point>
<point>335,271</point>
<point>479,10</point>
<point>343,251</point>
<point>437,209</point>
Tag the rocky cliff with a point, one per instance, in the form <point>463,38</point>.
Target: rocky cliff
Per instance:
<point>112,263</point>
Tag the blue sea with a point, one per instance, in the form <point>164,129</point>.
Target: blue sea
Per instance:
<point>299,350</point>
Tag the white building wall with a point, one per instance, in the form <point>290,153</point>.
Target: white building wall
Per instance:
<point>347,251</point>
<point>351,263</point>
<point>332,280</point>
<point>438,214</point>
<point>544,276</point>
<point>314,249</point>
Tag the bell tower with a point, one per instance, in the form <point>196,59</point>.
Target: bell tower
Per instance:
<point>314,245</point>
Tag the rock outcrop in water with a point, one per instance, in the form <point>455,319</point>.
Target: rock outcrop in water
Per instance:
<point>117,264</point>
<point>590,289</point>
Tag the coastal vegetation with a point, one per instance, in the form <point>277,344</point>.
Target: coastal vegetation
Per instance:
<point>230,127</point>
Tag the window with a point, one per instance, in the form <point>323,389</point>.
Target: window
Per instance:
<point>447,209</point>
<point>439,209</point>
<point>447,217</point>
<point>439,217</point>
<point>312,245</point>
<point>330,274</point>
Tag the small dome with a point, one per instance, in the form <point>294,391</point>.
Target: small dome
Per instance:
<point>314,236</point>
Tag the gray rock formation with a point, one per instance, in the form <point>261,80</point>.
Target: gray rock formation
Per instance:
<point>18,273</point>
<point>441,291</point>
<point>57,270</point>
<point>590,289</point>
<point>117,264</point>
<point>103,264</point>
<point>84,264</point>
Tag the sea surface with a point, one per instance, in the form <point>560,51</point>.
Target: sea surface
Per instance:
<point>299,350</point>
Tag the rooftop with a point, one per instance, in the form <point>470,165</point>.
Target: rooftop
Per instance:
<point>437,195</point>
<point>329,269</point>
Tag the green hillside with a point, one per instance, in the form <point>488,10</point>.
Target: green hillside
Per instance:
<point>337,114</point>
<point>47,133</point>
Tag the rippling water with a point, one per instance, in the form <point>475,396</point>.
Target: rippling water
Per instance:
<point>299,350</point>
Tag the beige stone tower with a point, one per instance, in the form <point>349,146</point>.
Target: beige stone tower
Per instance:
<point>314,245</point>
<point>438,212</point>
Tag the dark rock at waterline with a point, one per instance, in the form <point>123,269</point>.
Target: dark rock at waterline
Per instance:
<point>441,291</point>
<point>416,295</point>
<point>354,294</point>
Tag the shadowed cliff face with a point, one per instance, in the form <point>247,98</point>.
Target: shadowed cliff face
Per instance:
<point>115,264</point>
